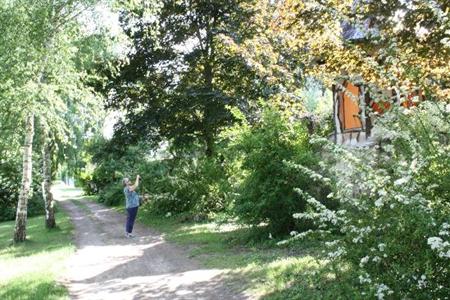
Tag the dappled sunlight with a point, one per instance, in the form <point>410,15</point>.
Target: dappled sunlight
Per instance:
<point>42,252</point>
<point>280,273</point>
<point>33,286</point>
<point>99,259</point>
<point>39,239</point>
<point>23,265</point>
<point>3,226</point>
<point>193,284</point>
<point>211,227</point>
<point>108,265</point>
<point>294,149</point>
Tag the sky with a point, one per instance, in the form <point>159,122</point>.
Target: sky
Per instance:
<point>103,18</point>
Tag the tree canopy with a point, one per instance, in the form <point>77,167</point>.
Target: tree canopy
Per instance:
<point>179,79</point>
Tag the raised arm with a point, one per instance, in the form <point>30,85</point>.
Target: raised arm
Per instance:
<point>136,183</point>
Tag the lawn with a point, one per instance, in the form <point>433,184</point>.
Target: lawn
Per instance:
<point>257,265</point>
<point>32,267</point>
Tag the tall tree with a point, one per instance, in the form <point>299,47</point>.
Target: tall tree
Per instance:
<point>178,78</point>
<point>47,195</point>
<point>399,45</point>
<point>41,54</point>
<point>21,216</point>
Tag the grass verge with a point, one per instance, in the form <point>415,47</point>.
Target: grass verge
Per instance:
<point>258,266</point>
<point>32,267</point>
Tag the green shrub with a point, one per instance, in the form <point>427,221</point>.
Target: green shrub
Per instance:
<point>108,167</point>
<point>10,184</point>
<point>103,176</point>
<point>85,182</point>
<point>394,216</point>
<point>9,191</point>
<point>266,193</point>
<point>197,185</point>
<point>112,194</point>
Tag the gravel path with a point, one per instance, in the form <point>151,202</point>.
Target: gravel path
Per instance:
<point>107,265</point>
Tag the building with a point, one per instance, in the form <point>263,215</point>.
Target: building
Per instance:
<point>354,111</point>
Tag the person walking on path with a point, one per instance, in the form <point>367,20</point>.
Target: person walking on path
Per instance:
<point>131,204</point>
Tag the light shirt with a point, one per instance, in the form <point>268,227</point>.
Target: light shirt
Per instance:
<point>131,198</point>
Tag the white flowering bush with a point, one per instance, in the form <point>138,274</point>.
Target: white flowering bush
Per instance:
<point>393,221</point>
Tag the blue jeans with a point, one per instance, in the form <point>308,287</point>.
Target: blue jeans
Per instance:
<point>131,216</point>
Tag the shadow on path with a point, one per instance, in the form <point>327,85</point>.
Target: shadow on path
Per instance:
<point>107,265</point>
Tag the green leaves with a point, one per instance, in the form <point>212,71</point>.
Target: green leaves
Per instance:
<point>266,194</point>
<point>179,78</point>
<point>49,66</point>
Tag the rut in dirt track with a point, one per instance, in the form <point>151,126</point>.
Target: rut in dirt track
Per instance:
<point>107,265</point>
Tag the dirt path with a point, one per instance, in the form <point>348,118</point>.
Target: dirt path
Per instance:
<point>107,265</point>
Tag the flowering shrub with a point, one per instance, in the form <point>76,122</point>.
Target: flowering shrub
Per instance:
<point>394,212</point>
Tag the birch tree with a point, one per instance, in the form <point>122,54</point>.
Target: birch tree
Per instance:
<point>40,54</point>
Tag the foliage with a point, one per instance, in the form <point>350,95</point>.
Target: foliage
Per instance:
<point>112,194</point>
<point>394,214</point>
<point>44,59</point>
<point>108,169</point>
<point>192,65</point>
<point>9,190</point>
<point>400,45</point>
<point>266,194</point>
<point>196,185</point>
<point>259,267</point>
<point>179,76</point>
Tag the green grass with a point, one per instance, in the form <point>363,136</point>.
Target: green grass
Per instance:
<point>30,269</point>
<point>255,263</point>
<point>91,198</point>
<point>258,265</point>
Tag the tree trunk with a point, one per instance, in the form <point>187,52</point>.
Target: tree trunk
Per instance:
<point>20,232</point>
<point>209,140</point>
<point>47,180</point>
<point>208,135</point>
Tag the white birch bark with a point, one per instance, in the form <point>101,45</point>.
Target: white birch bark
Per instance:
<point>20,233</point>
<point>47,180</point>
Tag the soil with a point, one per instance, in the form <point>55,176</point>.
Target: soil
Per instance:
<point>107,265</point>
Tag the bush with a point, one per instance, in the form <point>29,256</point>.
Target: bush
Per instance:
<point>9,191</point>
<point>112,194</point>
<point>85,181</point>
<point>184,184</point>
<point>197,185</point>
<point>266,193</point>
<point>395,209</point>
<point>103,176</point>
<point>10,184</point>
<point>107,166</point>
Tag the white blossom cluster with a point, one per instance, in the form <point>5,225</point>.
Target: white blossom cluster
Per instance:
<point>440,243</point>
<point>315,176</point>
<point>377,201</point>
<point>382,291</point>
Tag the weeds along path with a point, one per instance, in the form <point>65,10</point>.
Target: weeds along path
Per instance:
<point>107,265</point>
